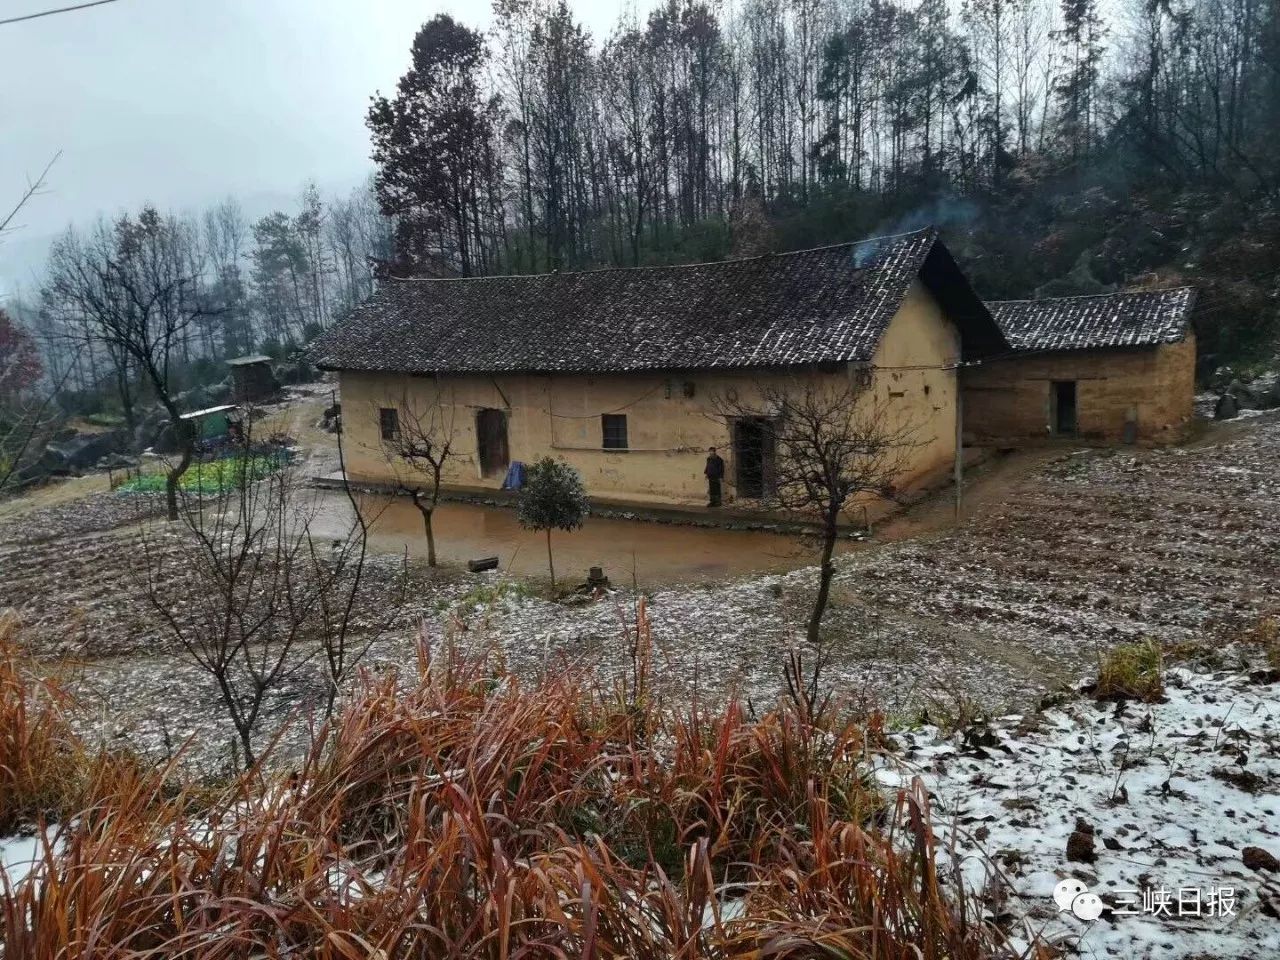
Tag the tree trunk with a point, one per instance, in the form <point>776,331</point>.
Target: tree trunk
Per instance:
<point>431,536</point>
<point>171,481</point>
<point>551,564</point>
<point>824,586</point>
<point>246,744</point>
<point>426,511</point>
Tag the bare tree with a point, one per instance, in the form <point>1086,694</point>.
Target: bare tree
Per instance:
<point>136,288</point>
<point>418,442</point>
<point>834,446</point>
<point>251,593</point>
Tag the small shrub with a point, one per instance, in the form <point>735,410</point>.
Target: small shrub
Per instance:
<point>1132,671</point>
<point>489,595</point>
<point>1265,635</point>
<point>552,498</point>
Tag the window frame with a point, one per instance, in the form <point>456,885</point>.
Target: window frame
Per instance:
<point>609,423</point>
<point>391,416</point>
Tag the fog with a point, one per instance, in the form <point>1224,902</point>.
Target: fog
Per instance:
<point>181,102</point>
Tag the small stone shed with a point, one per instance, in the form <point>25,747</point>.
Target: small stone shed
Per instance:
<point>1118,367</point>
<point>252,379</point>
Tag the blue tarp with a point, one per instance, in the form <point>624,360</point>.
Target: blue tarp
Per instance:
<point>515,476</point>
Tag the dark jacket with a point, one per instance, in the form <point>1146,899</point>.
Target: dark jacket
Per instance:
<point>715,467</point>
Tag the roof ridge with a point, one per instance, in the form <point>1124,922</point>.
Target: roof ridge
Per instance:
<point>1187,287</point>
<point>674,266</point>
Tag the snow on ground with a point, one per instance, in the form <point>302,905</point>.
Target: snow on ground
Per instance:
<point>1165,798</point>
<point>1096,547</point>
<point>19,855</point>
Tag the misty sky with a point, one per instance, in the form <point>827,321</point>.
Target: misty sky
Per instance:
<point>182,102</point>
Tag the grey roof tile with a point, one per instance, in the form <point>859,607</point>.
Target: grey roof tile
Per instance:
<point>1138,318</point>
<point>815,306</point>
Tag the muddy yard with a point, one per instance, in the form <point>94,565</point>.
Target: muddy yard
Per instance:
<point>1067,553</point>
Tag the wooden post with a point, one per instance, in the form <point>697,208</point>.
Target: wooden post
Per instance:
<point>959,465</point>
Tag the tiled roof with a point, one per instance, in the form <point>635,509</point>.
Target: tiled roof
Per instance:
<point>824,305</point>
<point>1141,318</point>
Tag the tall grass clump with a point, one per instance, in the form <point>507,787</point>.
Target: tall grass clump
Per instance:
<point>40,758</point>
<point>455,812</point>
<point>1132,671</point>
<point>1264,635</point>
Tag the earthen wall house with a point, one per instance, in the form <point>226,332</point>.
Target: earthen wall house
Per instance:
<point>625,373</point>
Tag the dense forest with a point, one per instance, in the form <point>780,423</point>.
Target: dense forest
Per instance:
<point>1062,150</point>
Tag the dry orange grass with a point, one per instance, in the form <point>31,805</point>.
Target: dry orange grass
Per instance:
<point>40,759</point>
<point>455,813</point>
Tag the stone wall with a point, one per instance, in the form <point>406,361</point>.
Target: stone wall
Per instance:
<point>1008,401</point>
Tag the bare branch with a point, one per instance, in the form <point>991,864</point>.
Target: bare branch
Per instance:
<point>34,187</point>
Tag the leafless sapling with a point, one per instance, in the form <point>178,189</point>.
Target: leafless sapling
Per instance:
<point>834,444</point>
<point>418,442</point>
<point>252,593</point>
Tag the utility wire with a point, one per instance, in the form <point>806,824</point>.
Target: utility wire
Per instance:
<point>50,13</point>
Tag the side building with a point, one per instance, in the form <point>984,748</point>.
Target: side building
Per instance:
<point>627,373</point>
<point>1116,368</point>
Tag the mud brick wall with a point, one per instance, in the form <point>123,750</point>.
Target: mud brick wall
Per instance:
<point>672,417</point>
<point>1008,400</point>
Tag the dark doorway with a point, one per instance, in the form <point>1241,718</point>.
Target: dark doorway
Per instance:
<point>491,441</point>
<point>1063,408</point>
<point>753,457</point>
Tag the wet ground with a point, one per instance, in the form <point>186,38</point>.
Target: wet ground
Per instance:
<point>646,554</point>
<point>1063,554</point>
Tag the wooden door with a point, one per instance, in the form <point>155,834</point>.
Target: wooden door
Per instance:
<point>491,441</point>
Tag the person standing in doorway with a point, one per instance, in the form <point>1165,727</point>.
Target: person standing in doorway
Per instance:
<point>715,473</point>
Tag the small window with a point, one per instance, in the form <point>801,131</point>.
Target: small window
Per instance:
<point>389,423</point>
<point>613,427</point>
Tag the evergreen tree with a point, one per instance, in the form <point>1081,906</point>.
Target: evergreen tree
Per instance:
<point>552,498</point>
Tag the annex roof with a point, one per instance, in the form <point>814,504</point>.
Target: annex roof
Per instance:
<point>1134,319</point>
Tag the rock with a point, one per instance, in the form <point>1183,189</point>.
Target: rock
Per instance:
<point>1080,847</point>
<point>50,463</point>
<point>165,440</point>
<point>1227,408</point>
<point>1255,858</point>
<point>1261,393</point>
<point>220,392</point>
<point>83,450</point>
<point>1221,378</point>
